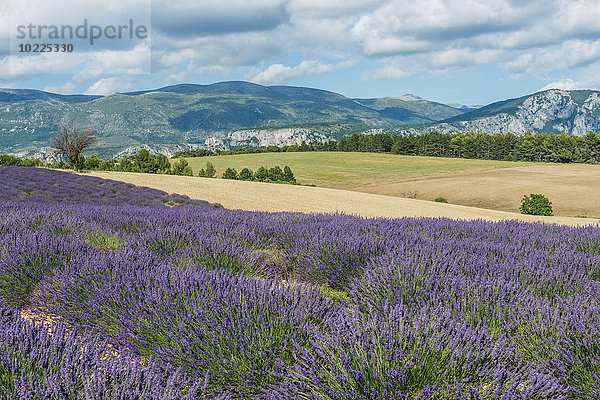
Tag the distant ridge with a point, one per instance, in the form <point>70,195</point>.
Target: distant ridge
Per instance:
<point>554,111</point>
<point>188,114</point>
<point>237,113</point>
<point>410,97</point>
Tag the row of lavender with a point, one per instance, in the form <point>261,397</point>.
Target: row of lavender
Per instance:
<point>202,302</point>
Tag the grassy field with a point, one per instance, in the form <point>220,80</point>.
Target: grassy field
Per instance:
<point>349,171</point>
<point>495,185</point>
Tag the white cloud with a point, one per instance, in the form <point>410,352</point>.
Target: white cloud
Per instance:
<point>311,9</point>
<point>546,39</point>
<point>12,67</point>
<point>563,84</point>
<point>586,78</point>
<point>109,85</point>
<point>279,73</point>
<point>387,72</point>
<point>190,18</point>
<point>67,88</point>
<point>529,38</point>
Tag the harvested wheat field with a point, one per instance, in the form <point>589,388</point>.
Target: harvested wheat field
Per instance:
<point>496,185</point>
<point>258,196</point>
<point>574,189</point>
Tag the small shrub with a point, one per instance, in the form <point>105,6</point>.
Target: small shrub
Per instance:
<point>441,200</point>
<point>536,204</point>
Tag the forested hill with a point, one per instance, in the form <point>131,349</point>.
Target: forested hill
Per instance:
<point>230,115</point>
<point>190,114</point>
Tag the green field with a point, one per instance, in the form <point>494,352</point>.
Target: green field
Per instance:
<point>349,170</point>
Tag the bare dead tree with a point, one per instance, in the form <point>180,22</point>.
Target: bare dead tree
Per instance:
<point>71,141</point>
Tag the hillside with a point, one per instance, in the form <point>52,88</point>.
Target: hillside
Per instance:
<point>412,109</point>
<point>575,112</point>
<point>241,114</point>
<point>351,171</point>
<point>183,116</point>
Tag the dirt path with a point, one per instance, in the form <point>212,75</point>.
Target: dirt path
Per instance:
<point>258,196</point>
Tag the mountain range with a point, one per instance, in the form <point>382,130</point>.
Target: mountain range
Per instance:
<point>235,114</point>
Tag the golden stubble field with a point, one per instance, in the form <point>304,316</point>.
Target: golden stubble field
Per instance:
<point>574,189</point>
<point>258,196</point>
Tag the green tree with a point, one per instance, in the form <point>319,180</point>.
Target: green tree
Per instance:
<point>536,204</point>
<point>5,159</point>
<point>230,173</point>
<point>275,173</point>
<point>79,163</point>
<point>163,164</point>
<point>210,170</point>
<point>261,174</point>
<point>92,162</point>
<point>342,144</point>
<point>304,147</point>
<point>182,168</point>
<point>288,175</point>
<point>246,174</point>
<point>526,147</point>
<point>125,164</point>
<point>143,161</point>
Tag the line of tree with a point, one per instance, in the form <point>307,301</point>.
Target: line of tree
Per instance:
<point>543,147</point>
<point>558,148</point>
<point>142,161</point>
<point>272,175</point>
<point>6,159</point>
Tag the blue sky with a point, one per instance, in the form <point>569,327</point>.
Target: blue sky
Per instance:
<point>469,52</point>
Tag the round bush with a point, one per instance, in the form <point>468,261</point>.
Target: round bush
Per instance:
<point>536,204</point>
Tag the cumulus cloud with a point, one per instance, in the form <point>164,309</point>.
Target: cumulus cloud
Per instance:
<point>279,73</point>
<point>546,39</point>
<point>527,38</point>
<point>571,53</point>
<point>110,85</point>
<point>563,84</point>
<point>388,72</point>
<point>188,18</point>
<point>12,67</point>
<point>587,78</point>
<point>67,88</point>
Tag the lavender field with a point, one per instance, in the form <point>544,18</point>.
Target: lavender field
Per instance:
<point>156,296</point>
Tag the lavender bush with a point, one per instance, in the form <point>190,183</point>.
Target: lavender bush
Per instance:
<point>160,296</point>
